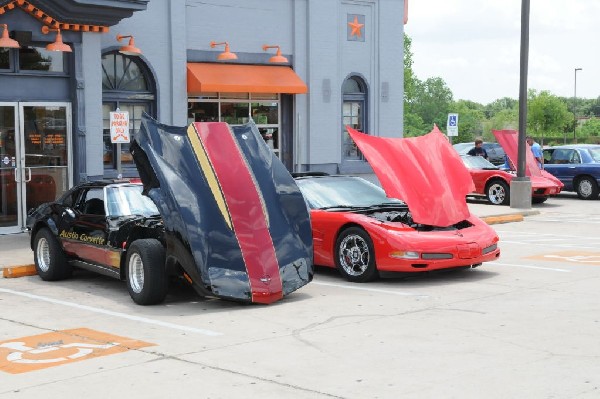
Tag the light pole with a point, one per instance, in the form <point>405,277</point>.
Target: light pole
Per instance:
<point>575,107</point>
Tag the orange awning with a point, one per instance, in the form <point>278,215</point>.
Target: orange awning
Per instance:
<point>202,78</point>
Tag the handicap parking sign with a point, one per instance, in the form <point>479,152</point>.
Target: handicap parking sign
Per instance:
<point>452,125</point>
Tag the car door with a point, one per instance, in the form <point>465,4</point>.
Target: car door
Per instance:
<point>85,237</point>
<point>562,163</point>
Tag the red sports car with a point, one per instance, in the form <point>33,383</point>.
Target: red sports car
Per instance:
<point>494,183</point>
<point>363,229</point>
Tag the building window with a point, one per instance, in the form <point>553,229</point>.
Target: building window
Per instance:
<point>34,58</point>
<point>239,108</point>
<point>127,85</point>
<point>354,111</point>
<point>4,58</point>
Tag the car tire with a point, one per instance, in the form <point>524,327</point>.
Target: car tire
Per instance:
<point>587,188</point>
<point>498,192</point>
<point>49,258</point>
<point>538,200</point>
<point>145,272</point>
<point>355,256</point>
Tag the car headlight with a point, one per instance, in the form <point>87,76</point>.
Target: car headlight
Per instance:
<point>404,255</point>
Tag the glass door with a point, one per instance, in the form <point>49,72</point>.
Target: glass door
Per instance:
<point>45,152</point>
<point>10,193</point>
<point>35,158</point>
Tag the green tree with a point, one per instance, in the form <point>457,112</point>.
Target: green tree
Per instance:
<point>433,99</point>
<point>547,115</point>
<point>413,123</point>
<point>590,130</point>
<point>500,104</point>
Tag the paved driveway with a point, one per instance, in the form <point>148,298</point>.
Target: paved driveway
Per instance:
<point>525,326</point>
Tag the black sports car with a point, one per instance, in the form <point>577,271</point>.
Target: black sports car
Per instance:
<point>91,226</point>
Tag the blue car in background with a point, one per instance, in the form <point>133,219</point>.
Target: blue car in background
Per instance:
<point>577,166</point>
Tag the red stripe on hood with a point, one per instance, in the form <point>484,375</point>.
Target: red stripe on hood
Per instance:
<point>246,210</point>
<point>425,172</point>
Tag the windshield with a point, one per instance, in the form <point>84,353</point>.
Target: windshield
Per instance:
<point>478,163</point>
<point>128,200</point>
<point>463,148</point>
<point>346,191</point>
<point>595,153</point>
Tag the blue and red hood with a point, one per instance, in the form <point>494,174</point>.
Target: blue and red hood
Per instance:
<point>425,172</point>
<point>234,216</point>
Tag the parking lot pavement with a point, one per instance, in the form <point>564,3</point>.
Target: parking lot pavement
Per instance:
<point>496,327</point>
<point>523,326</point>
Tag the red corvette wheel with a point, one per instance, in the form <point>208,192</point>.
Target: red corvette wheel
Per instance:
<point>498,192</point>
<point>354,255</point>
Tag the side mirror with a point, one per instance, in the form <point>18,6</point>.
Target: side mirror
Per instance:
<point>68,214</point>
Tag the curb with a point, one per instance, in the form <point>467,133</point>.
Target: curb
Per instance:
<point>19,271</point>
<point>503,219</point>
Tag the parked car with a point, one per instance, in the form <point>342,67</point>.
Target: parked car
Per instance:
<point>494,183</point>
<point>577,166</point>
<point>233,227</point>
<point>360,231</point>
<point>494,150</point>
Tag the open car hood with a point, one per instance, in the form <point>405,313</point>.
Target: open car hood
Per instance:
<point>233,214</point>
<point>425,172</point>
<point>508,139</point>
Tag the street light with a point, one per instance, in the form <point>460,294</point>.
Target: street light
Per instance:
<point>575,107</point>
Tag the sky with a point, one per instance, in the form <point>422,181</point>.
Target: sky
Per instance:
<point>474,45</point>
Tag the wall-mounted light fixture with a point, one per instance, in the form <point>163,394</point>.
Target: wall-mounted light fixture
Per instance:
<point>130,49</point>
<point>6,41</point>
<point>225,55</point>
<point>277,58</point>
<point>58,44</point>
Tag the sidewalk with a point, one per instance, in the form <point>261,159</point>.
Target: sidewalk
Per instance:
<point>16,252</point>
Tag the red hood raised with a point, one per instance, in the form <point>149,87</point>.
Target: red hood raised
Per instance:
<point>508,139</point>
<point>425,172</point>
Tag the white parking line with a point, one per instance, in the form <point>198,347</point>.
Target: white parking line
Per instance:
<point>115,314</point>
<point>352,287</point>
<point>532,267</point>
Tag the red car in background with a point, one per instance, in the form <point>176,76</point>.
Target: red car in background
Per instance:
<point>494,183</point>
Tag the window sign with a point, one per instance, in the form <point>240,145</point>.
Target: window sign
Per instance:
<point>119,127</point>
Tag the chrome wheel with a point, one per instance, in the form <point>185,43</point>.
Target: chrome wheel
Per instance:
<point>497,193</point>
<point>136,273</point>
<point>43,254</point>
<point>585,188</point>
<point>354,255</point>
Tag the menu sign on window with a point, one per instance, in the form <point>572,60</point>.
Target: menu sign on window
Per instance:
<point>119,127</point>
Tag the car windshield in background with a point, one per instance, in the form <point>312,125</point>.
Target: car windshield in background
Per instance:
<point>472,162</point>
<point>128,200</point>
<point>463,148</point>
<point>595,153</point>
<point>324,192</point>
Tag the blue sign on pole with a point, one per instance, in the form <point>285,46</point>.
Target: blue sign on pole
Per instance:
<point>452,125</point>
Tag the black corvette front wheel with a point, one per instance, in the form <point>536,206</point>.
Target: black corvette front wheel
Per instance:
<point>50,260</point>
<point>355,256</point>
<point>145,272</point>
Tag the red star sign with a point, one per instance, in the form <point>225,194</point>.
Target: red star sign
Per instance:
<point>356,27</point>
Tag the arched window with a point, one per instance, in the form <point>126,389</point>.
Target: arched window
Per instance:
<point>354,113</point>
<point>127,84</point>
